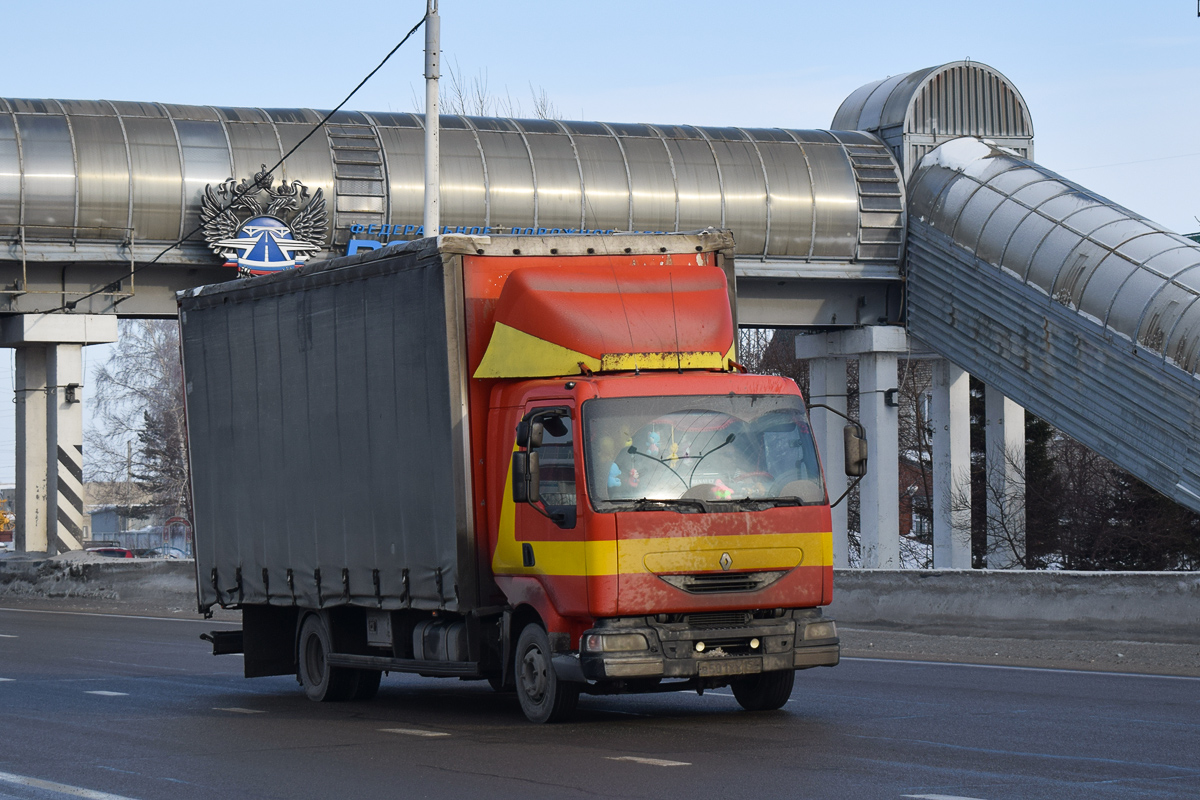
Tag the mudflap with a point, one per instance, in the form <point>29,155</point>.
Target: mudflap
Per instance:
<point>268,640</point>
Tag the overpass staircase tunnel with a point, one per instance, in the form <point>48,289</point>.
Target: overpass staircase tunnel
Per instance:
<point>1081,311</point>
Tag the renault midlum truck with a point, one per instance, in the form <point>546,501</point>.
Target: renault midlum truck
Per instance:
<point>529,460</point>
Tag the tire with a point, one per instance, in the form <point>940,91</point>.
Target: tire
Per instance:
<point>543,697</point>
<point>497,683</point>
<point>766,691</point>
<point>322,682</point>
<point>368,684</point>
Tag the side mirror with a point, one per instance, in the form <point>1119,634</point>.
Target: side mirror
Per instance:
<point>526,480</point>
<point>529,434</point>
<point>533,478</point>
<point>855,443</point>
<point>520,477</point>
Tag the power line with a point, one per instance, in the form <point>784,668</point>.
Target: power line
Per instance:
<point>1127,163</point>
<point>263,176</point>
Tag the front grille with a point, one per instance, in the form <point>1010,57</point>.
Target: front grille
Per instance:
<point>743,582</point>
<point>716,582</point>
<point>717,619</point>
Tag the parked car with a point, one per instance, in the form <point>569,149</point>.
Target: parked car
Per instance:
<point>163,552</point>
<point>111,552</point>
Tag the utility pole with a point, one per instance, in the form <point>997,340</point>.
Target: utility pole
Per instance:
<point>433,31</point>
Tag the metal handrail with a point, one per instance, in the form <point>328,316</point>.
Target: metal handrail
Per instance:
<point>128,242</point>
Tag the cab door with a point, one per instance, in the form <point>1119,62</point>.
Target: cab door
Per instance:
<point>547,529</point>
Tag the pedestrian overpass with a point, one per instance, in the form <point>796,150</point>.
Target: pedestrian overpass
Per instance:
<point>878,236</point>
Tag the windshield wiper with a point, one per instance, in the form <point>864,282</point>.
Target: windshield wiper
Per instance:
<point>633,451</point>
<point>767,502</point>
<point>728,440</point>
<point>646,503</point>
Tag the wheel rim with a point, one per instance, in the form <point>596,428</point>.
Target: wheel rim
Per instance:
<point>534,674</point>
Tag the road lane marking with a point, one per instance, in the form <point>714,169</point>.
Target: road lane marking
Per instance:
<point>6,680</point>
<point>103,693</point>
<point>414,732</point>
<point>236,710</point>
<point>654,762</point>
<point>60,788</point>
<point>120,616</point>
<point>1191,771</point>
<point>8,636</point>
<point>1023,669</point>
<point>938,797</point>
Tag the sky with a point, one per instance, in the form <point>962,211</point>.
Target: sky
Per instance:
<point>1112,87</point>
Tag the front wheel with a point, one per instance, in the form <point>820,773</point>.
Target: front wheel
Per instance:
<point>543,697</point>
<point>766,691</point>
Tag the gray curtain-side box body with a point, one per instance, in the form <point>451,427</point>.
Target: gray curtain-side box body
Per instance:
<point>328,440</point>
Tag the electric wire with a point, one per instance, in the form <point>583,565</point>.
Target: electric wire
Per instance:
<point>263,176</point>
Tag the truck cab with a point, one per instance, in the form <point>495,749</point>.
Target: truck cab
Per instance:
<point>666,527</point>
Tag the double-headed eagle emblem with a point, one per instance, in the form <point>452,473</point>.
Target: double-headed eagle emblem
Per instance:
<point>260,240</point>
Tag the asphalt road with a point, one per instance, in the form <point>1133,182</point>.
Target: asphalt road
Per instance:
<point>110,707</point>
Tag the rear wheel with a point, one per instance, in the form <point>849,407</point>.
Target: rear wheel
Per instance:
<point>766,691</point>
<point>322,682</point>
<point>368,684</point>
<point>543,697</point>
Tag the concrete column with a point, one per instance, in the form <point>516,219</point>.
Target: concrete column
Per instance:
<point>951,414</point>
<point>827,384</point>
<point>32,533</point>
<point>1005,459</point>
<point>49,423</point>
<point>879,492</point>
<point>65,440</point>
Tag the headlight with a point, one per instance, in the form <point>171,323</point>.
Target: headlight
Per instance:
<point>614,642</point>
<point>820,630</point>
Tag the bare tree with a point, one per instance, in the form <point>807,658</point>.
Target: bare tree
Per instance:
<point>543,108</point>
<point>916,463</point>
<point>472,96</point>
<point>138,451</point>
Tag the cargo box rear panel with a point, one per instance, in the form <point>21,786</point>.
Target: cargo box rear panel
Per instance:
<point>327,428</point>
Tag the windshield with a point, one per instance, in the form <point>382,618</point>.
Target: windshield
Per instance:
<point>695,450</point>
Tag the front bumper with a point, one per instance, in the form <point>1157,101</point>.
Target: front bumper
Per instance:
<point>688,650</point>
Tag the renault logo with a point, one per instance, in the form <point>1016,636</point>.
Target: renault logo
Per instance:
<point>726,561</point>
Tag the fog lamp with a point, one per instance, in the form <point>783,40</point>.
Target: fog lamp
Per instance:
<point>754,644</point>
<point>614,642</point>
<point>825,629</point>
<point>699,647</point>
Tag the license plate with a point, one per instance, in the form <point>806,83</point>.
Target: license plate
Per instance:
<point>730,666</point>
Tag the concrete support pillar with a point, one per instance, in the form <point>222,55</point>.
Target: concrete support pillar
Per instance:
<point>49,421</point>
<point>879,492</point>
<point>1005,459</point>
<point>32,533</point>
<point>951,415</point>
<point>49,449</point>
<point>65,441</point>
<point>827,385</point>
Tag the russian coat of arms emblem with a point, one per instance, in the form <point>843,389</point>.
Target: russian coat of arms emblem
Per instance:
<point>260,228</point>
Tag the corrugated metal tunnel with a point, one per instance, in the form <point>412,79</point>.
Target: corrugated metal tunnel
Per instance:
<point>1082,311</point>
<point>98,171</point>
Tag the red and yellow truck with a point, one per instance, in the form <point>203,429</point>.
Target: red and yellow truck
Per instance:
<point>530,460</point>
